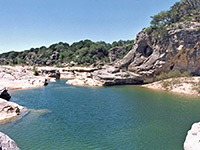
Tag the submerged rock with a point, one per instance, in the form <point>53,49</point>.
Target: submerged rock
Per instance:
<point>6,143</point>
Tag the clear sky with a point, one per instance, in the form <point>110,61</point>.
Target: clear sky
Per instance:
<point>33,23</point>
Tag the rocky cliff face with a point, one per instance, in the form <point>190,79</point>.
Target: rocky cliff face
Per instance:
<point>180,50</point>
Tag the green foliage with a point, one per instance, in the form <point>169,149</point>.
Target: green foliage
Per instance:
<point>35,72</point>
<point>127,75</point>
<point>168,84</point>
<point>81,53</point>
<point>186,10</point>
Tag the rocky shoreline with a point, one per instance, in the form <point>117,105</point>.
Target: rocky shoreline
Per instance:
<point>19,77</point>
<point>182,85</point>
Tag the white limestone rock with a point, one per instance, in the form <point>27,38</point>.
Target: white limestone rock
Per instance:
<point>192,141</point>
<point>6,143</point>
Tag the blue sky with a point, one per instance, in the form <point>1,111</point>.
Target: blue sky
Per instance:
<point>33,23</point>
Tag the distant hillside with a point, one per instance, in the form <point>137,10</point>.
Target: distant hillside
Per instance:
<point>61,54</point>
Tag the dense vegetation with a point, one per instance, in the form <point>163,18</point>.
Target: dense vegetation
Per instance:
<point>79,53</point>
<point>183,11</point>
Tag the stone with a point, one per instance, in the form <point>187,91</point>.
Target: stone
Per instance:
<point>9,109</point>
<point>50,73</point>
<point>53,80</point>
<point>6,143</point>
<point>19,77</point>
<point>192,141</point>
<point>4,93</point>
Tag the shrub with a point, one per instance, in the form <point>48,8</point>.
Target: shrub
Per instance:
<point>127,75</point>
<point>35,72</point>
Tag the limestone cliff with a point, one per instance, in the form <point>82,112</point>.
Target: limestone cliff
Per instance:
<point>179,50</point>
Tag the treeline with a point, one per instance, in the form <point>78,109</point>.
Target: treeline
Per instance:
<point>79,53</point>
<point>183,11</point>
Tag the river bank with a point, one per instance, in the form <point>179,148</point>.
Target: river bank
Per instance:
<point>182,85</point>
<point>19,77</point>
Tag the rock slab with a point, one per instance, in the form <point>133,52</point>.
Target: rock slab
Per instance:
<point>7,143</point>
<point>192,141</point>
<point>9,109</point>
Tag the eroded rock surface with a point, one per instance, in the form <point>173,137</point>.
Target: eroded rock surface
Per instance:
<point>19,77</point>
<point>9,109</point>
<point>192,141</point>
<point>4,93</point>
<point>6,143</point>
<point>179,51</point>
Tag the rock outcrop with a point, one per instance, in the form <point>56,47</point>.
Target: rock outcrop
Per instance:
<point>192,141</point>
<point>19,77</point>
<point>180,50</point>
<point>4,93</point>
<point>9,109</point>
<point>50,73</point>
<point>104,77</point>
<point>6,143</point>
<point>116,53</point>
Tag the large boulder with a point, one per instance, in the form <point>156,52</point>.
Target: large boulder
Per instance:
<point>4,93</point>
<point>6,143</point>
<point>9,109</point>
<point>192,141</point>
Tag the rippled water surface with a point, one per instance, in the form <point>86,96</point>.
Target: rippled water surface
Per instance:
<point>66,117</point>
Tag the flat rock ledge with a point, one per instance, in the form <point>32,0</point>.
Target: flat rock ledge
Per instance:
<point>19,77</point>
<point>84,82</point>
<point>6,143</point>
<point>9,110</point>
<point>192,141</point>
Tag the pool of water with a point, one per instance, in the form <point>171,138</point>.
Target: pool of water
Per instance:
<point>66,117</point>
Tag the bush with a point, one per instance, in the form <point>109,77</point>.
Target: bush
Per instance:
<point>127,75</point>
<point>35,72</point>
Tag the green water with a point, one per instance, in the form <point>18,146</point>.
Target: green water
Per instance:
<point>111,118</point>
